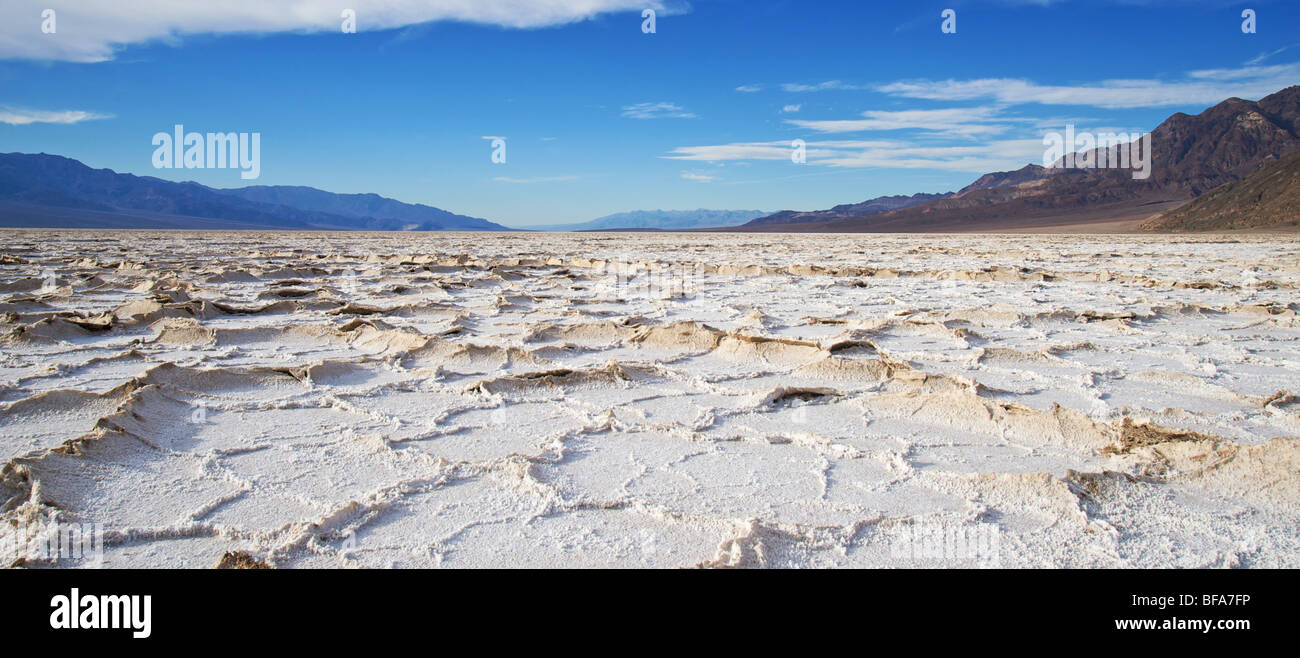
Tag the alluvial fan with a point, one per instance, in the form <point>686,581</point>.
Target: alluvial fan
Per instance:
<point>645,400</point>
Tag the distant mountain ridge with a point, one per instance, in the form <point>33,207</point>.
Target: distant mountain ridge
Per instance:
<point>1191,155</point>
<point>998,179</point>
<point>1235,140</point>
<point>43,190</point>
<point>660,220</point>
<point>848,211</point>
<point>380,213</point>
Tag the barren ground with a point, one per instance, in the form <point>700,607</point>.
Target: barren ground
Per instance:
<point>663,400</point>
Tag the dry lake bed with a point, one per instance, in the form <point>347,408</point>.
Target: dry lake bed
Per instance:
<point>650,400</point>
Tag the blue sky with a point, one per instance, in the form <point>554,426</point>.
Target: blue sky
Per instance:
<point>599,117</point>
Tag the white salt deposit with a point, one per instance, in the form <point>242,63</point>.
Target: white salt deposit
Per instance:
<point>646,400</point>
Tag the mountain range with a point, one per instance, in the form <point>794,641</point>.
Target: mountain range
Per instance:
<point>1191,155</point>
<point>1266,199</point>
<point>847,211</point>
<point>41,190</point>
<point>1225,168</point>
<point>660,220</point>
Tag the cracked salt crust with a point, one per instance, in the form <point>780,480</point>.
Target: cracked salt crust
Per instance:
<point>377,400</point>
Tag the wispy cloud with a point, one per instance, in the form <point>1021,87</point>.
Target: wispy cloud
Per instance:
<point>699,178</point>
<point>964,121</point>
<point>822,86</point>
<point>1263,57</point>
<point>749,89</point>
<point>885,154</point>
<point>777,150</point>
<point>986,136</point>
<point>656,111</point>
<point>539,179</point>
<point>1204,87</point>
<point>21,117</point>
<point>733,151</point>
<point>102,27</point>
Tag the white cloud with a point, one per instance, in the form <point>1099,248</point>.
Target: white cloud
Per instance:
<point>885,154</point>
<point>749,89</point>
<point>995,156</point>
<point>823,86</point>
<point>21,117</point>
<point>1252,72</point>
<point>700,178</point>
<point>791,109</point>
<point>964,121</point>
<point>1268,55</point>
<point>94,30</point>
<point>540,179</point>
<point>1205,87</point>
<point>779,150</point>
<point>656,111</point>
<point>735,151</point>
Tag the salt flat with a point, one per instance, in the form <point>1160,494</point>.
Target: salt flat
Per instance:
<point>653,400</point>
